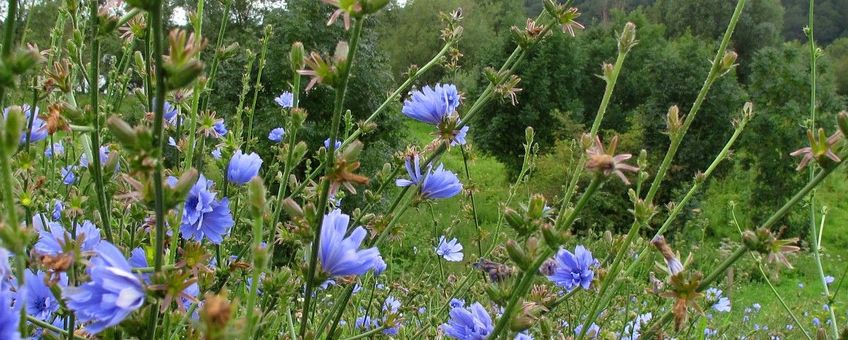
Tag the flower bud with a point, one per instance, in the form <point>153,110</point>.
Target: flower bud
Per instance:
<point>536,208</point>
<point>748,109</point>
<point>340,56</point>
<point>700,177</point>
<point>514,219</point>
<point>554,239</point>
<point>298,116</point>
<point>491,74</point>
<point>122,131</point>
<point>372,6</point>
<point>627,39</point>
<point>292,208</point>
<point>215,313</point>
<point>642,161</point>
<point>607,71</point>
<point>24,59</point>
<point>526,317</point>
<point>229,51</point>
<point>517,255</point>
<point>15,123</point>
<point>728,62</point>
<point>842,121</point>
<point>296,56</point>
<point>183,76</point>
<point>529,134</point>
<point>672,120</point>
<point>256,196</point>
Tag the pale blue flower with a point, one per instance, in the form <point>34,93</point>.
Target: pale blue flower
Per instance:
<point>572,270</point>
<point>216,153</point>
<point>449,250</point>
<point>54,149</point>
<point>204,216</point>
<point>459,137</point>
<point>340,255</point>
<point>52,236</point>
<point>220,128</point>
<point>68,175</point>
<point>829,279</point>
<point>337,145</point>
<point>112,294</point>
<point>432,105</point>
<point>243,168</point>
<point>39,126</point>
<point>719,302</point>
<point>58,207</point>
<point>276,135</point>
<point>472,323</point>
<point>40,301</point>
<point>9,318</point>
<point>170,113</point>
<point>632,330</point>
<point>438,184</point>
<point>285,100</point>
<point>593,331</point>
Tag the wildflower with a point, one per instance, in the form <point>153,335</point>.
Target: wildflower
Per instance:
<point>337,144</point>
<point>391,305</point>
<point>172,142</point>
<point>573,269</point>
<point>672,260</point>
<point>820,148</point>
<point>83,161</point>
<point>40,301</point>
<point>816,322</point>
<point>9,318</point>
<point>523,336</point>
<point>829,279</point>
<point>710,332</point>
<point>459,137</point>
<point>54,149</point>
<point>437,184</point>
<point>58,206</point>
<point>766,242</point>
<point>756,307</point>
<point>39,126</point>
<point>216,153</point>
<point>52,237</point>
<point>472,323</point>
<point>454,303</point>
<point>364,323</point>
<point>593,331</point>
<point>276,135</point>
<point>112,294</point>
<point>497,272</point>
<point>243,167</point>
<point>432,105</point>
<point>449,250</point>
<point>170,113</point>
<point>285,100</point>
<point>220,128</point>
<point>68,176</point>
<point>340,255</point>
<point>204,216</point>
<point>719,302</point>
<point>605,161</point>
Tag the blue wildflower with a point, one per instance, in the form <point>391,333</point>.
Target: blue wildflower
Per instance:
<point>285,100</point>
<point>338,144</point>
<point>413,169</point>
<point>432,105</point>
<point>54,149</point>
<point>172,142</point>
<point>204,216</point>
<point>472,323</point>
<point>112,294</point>
<point>719,302</point>
<point>437,184</point>
<point>449,250</point>
<point>243,167</point>
<point>340,255</point>
<point>525,335</point>
<point>593,331</point>
<point>829,279</point>
<point>454,303</point>
<point>39,126</point>
<point>170,113</point>
<point>632,330</point>
<point>276,135</point>
<point>459,136</point>
<point>40,301</point>
<point>571,270</point>
<point>138,259</point>
<point>364,323</point>
<point>220,128</point>
<point>68,176</point>
<point>216,153</point>
<point>52,237</point>
<point>58,207</point>
<point>9,318</point>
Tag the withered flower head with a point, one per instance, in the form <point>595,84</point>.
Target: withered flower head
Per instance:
<point>497,272</point>
<point>672,260</point>
<point>216,312</point>
<point>764,241</point>
<point>344,171</point>
<point>55,120</point>
<point>820,149</point>
<point>684,290</point>
<point>606,161</point>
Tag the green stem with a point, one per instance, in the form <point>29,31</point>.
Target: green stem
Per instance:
<point>96,168</point>
<point>325,184</point>
<point>49,326</point>
<point>198,87</point>
<point>817,257</point>
<point>367,334</point>
<point>782,302</point>
<point>257,86</point>
<point>473,203</point>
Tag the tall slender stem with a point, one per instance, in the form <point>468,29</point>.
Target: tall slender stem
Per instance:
<point>473,203</point>
<point>330,160</point>
<point>94,91</point>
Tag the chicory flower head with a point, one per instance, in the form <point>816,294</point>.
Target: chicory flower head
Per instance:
<point>40,301</point>
<point>572,270</point>
<point>216,153</point>
<point>39,126</point>
<point>472,323</point>
<point>338,144</point>
<point>438,184</point>
<point>56,149</point>
<point>52,236</point>
<point>719,302</point>
<point>9,317</point>
<point>276,135</point>
<point>204,216</point>
<point>432,105</point>
<point>112,294</point>
<point>340,255</point>
<point>243,167</point>
<point>58,207</point>
<point>285,100</point>
<point>68,175</point>
<point>449,250</point>
<point>220,128</point>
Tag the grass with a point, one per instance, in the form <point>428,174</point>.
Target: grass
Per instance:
<point>490,185</point>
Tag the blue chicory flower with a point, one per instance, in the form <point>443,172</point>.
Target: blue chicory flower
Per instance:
<point>39,126</point>
<point>285,100</point>
<point>432,105</point>
<point>243,167</point>
<point>459,137</point>
<point>337,145</point>
<point>220,128</point>
<point>632,330</point>
<point>40,301</point>
<point>449,250</point>
<point>438,184</point>
<point>216,153</point>
<point>68,176</point>
<point>112,294</point>
<point>58,207</point>
<point>525,335</point>
<point>472,323</point>
<point>340,255</point>
<point>172,142</point>
<point>719,302</point>
<point>593,331</point>
<point>572,270</point>
<point>170,113</point>
<point>204,216</point>
<point>9,317</point>
<point>52,236</point>
<point>54,149</point>
<point>829,279</point>
<point>276,135</point>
